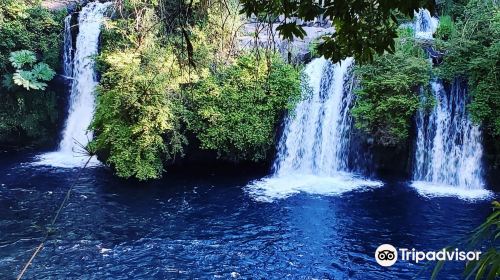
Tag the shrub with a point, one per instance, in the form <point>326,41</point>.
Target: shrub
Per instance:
<point>28,33</point>
<point>137,118</point>
<point>446,28</point>
<point>474,54</point>
<point>388,93</point>
<point>236,111</point>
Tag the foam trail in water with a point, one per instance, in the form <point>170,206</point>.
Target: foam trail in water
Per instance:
<point>313,152</point>
<point>82,99</point>
<point>279,187</point>
<point>430,189</point>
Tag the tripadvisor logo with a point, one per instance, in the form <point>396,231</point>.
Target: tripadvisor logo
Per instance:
<point>387,255</point>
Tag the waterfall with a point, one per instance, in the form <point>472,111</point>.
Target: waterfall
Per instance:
<point>448,148</point>
<point>425,25</point>
<point>82,100</point>
<point>313,152</point>
<point>68,49</point>
<point>316,136</point>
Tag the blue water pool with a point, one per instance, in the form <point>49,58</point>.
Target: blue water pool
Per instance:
<point>205,225</point>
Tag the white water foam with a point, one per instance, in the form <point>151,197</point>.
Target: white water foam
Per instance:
<point>279,187</point>
<point>430,189</point>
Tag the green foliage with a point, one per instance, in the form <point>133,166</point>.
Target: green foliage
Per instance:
<point>25,26</point>
<point>473,52</point>
<point>29,78</point>
<point>488,265</point>
<point>157,58</point>
<point>362,28</point>
<point>137,118</point>
<point>28,33</point>
<point>452,8</point>
<point>388,93</point>
<point>22,58</point>
<point>27,118</point>
<point>313,47</point>
<point>42,71</point>
<point>446,28</point>
<point>236,111</point>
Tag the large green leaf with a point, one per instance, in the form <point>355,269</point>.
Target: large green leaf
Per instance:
<point>43,72</point>
<point>27,80</point>
<point>22,58</point>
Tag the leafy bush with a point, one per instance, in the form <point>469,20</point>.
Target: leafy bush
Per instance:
<point>474,54</point>
<point>236,111</point>
<point>28,33</point>
<point>446,28</point>
<point>159,77</point>
<point>137,118</point>
<point>139,113</point>
<point>27,118</point>
<point>388,93</point>
<point>25,26</point>
<point>34,78</point>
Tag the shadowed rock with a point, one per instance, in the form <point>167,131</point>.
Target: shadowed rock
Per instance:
<point>62,4</point>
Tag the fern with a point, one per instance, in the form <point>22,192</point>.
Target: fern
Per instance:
<point>488,265</point>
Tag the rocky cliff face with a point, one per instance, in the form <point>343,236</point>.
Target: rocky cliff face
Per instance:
<point>264,35</point>
<point>62,4</point>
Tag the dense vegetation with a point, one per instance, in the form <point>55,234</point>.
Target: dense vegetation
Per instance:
<point>390,84</point>
<point>389,91</point>
<point>362,28</point>
<point>469,41</point>
<point>30,40</point>
<point>236,111</point>
<point>164,80</point>
<point>172,75</point>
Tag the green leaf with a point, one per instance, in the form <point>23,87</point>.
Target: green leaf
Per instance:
<point>43,72</point>
<point>22,58</point>
<point>27,80</point>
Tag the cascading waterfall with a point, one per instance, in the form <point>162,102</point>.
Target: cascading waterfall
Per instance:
<point>68,49</point>
<point>82,100</point>
<point>425,25</point>
<point>448,149</point>
<point>316,137</point>
<point>313,152</point>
